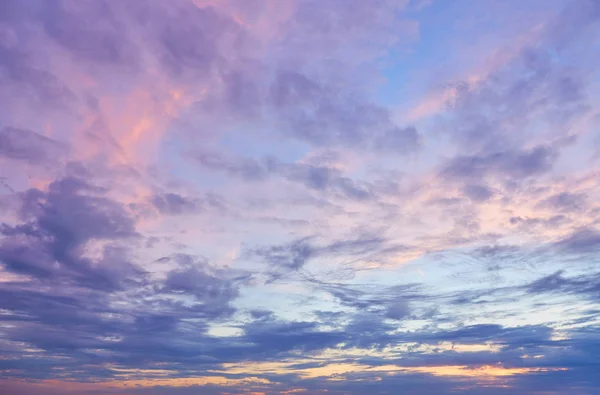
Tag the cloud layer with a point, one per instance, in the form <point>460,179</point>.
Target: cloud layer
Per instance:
<point>320,197</point>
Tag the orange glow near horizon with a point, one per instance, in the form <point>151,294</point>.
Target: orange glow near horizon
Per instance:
<point>332,372</point>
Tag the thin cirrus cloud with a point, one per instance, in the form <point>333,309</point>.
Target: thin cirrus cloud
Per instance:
<point>214,196</point>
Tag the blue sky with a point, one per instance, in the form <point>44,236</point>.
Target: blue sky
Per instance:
<point>299,197</point>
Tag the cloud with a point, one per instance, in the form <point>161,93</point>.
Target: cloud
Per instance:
<point>171,203</point>
<point>511,337</point>
<point>565,201</point>
<point>90,31</point>
<point>495,113</point>
<point>286,259</point>
<point>478,193</point>
<point>398,310</point>
<point>25,145</point>
<point>209,286</point>
<point>332,121</point>
<point>313,177</point>
<point>215,196</point>
<point>278,337</point>
<point>587,286</point>
<point>581,241</point>
<point>514,164</point>
<point>59,223</point>
<point>18,71</point>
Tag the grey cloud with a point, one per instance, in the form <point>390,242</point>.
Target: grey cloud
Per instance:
<point>291,257</point>
<point>323,178</point>
<point>173,203</point>
<point>60,223</point>
<point>280,336</point>
<point>25,145</point>
<point>90,29</point>
<point>478,193</point>
<point>515,164</point>
<point>213,291</point>
<point>354,124</point>
<point>549,222</point>
<point>288,258</point>
<point>19,74</point>
<point>398,310</point>
<point>477,334</point>
<point>495,116</point>
<point>582,241</point>
<point>248,169</point>
<point>293,88</point>
<point>565,201</point>
<point>587,286</point>
<point>319,178</point>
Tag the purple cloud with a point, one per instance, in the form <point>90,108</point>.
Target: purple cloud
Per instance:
<point>321,197</point>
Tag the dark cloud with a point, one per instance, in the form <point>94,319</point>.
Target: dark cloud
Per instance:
<point>371,306</point>
<point>90,323</point>
<point>334,120</point>
<point>273,337</point>
<point>325,103</point>
<point>193,41</point>
<point>574,21</point>
<point>552,282</point>
<point>91,30</point>
<point>324,178</point>
<point>514,164</point>
<point>490,121</point>
<point>173,203</point>
<point>495,116</point>
<point>398,310</point>
<point>248,169</point>
<point>261,314</point>
<point>291,257</point>
<point>25,145</point>
<point>59,224</point>
<point>338,117</point>
<point>565,201</point>
<point>359,245</point>
<point>19,75</point>
<point>477,193</point>
<point>318,178</point>
<point>586,286</point>
<point>209,286</point>
<point>548,222</point>
<point>582,241</point>
<point>292,88</point>
<point>288,258</point>
<point>498,251</point>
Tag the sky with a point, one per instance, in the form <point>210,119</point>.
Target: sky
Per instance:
<point>299,197</point>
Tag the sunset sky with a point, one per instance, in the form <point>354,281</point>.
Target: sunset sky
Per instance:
<point>299,197</point>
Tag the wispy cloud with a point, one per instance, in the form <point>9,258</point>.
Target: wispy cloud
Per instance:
<point>287,197</point>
